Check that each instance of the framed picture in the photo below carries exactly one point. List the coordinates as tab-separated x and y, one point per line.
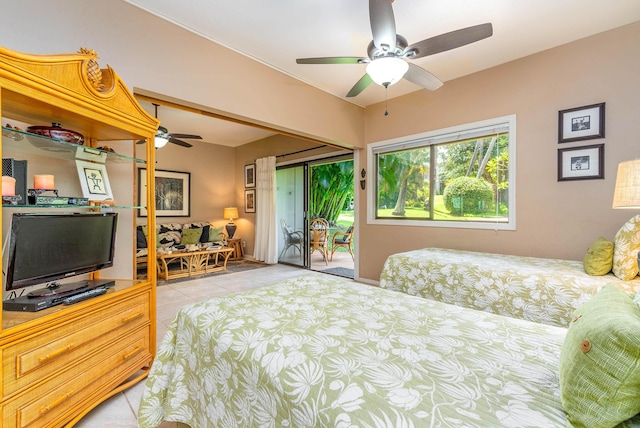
94	180
250	175
581	163
581	123
173	193
250	201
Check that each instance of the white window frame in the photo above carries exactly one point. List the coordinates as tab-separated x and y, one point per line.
434	137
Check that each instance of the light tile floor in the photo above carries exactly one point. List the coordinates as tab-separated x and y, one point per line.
121	409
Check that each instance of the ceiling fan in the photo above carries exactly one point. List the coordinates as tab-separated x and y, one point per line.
388	52
163	136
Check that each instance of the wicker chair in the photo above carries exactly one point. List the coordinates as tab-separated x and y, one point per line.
292	238
319	237
342	239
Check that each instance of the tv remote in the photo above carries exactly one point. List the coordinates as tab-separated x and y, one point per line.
84	296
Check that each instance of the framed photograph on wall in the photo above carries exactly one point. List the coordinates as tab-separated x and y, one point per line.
250	201
250	175
173	193
581	163
581	123
94	180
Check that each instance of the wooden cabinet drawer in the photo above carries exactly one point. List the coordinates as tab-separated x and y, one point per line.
40	357
55	398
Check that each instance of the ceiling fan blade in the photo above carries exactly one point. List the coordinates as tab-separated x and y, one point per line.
383	24
179	142
360	86
333	60
422	77
448	41
190	136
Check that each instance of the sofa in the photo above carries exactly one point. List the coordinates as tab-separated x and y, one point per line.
176	235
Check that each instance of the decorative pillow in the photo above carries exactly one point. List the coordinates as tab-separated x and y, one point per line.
625	250
599	257
600	361
141	239
191	236
215	234
145	232
205	234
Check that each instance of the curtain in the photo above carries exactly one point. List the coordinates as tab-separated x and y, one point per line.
266	245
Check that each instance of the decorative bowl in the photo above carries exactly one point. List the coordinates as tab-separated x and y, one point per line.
56	132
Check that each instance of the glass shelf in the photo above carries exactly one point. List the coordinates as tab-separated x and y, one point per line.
26	142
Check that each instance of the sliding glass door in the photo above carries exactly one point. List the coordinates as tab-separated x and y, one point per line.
291	206
316	190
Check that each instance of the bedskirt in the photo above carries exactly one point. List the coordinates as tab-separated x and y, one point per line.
536	289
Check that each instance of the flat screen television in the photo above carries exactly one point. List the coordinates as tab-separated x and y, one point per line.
45	248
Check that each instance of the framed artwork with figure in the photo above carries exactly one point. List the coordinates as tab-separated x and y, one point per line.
94	180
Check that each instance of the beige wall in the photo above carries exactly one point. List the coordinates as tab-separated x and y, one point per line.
213	178
272	146
554	219
160	57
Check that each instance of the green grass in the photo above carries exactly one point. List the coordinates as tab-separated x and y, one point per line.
439	212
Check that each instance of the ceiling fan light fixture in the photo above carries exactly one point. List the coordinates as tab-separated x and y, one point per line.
160	141
161	138
386	71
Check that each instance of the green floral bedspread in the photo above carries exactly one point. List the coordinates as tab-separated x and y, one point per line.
536	289
318	351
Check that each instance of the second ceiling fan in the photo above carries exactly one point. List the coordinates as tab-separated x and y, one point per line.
388	52
163	136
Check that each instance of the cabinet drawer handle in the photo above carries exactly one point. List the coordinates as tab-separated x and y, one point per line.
61	399
132	353
55	354
132	317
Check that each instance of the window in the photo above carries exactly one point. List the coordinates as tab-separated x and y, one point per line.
456	177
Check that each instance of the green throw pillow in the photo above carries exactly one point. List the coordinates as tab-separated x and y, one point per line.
215	234
600	361
145	230
191	236
625	250
599	257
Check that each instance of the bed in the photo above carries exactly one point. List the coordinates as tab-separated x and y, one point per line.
319	351
535	289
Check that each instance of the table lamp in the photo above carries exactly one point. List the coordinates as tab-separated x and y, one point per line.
627	190
230	213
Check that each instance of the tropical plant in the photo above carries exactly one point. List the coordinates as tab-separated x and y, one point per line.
331	189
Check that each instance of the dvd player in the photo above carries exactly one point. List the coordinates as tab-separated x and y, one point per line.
35	304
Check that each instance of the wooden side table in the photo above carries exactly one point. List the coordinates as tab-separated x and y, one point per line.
238	251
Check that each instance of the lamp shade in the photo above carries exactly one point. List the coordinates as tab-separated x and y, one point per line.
627	191
386	71
159	142
230	213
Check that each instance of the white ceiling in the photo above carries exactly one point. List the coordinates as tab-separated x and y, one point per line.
277	32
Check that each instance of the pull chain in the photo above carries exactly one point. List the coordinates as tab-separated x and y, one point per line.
386	92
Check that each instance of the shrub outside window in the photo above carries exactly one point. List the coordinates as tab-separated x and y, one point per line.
462	176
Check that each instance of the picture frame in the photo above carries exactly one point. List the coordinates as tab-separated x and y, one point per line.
250	201
250	175
581	163
172	193
581	123
94	180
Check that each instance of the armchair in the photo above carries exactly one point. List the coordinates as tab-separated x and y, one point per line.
319	237
292	238
342	239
